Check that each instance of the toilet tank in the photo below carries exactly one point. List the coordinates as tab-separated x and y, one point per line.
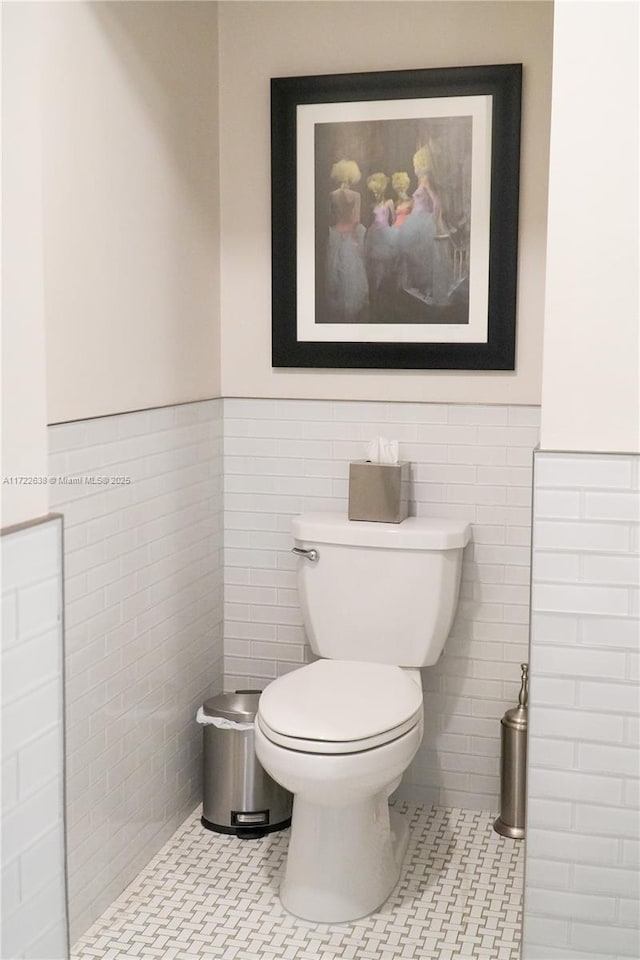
379	592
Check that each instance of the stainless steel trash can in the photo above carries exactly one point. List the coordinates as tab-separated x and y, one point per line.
239	797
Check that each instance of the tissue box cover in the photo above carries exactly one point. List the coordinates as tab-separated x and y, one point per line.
378	491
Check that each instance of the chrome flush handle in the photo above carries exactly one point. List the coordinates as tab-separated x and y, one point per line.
311	554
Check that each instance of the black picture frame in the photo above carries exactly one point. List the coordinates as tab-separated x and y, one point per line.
496	89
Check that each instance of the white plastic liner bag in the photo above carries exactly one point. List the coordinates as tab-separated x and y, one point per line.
221	722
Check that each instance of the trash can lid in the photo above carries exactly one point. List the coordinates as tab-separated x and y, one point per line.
241	706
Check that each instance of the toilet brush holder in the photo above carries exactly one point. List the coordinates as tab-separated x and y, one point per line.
513	766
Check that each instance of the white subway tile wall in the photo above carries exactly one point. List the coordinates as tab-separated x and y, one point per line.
34	913
468	461
143	603
582	871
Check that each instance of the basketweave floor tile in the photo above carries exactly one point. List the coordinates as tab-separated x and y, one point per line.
211	896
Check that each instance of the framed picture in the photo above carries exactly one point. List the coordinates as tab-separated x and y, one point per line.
395	218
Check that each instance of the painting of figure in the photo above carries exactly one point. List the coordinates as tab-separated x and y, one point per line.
393	220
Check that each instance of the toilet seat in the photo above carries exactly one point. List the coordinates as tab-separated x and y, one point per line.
337	706
337	746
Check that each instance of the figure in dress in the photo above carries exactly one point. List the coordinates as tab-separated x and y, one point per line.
347	288
400	182
380	242
404	204
420	229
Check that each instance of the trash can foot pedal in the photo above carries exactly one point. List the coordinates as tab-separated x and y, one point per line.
248	832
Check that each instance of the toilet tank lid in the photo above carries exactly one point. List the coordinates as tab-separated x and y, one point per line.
414	533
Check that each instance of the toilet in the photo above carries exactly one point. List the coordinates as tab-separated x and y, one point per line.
378	601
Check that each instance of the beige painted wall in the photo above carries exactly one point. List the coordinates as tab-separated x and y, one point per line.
24	432
131	237
262	40
591	384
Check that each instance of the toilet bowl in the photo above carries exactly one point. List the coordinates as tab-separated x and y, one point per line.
341	763
378	601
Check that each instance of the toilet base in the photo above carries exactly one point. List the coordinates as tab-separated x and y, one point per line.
343	861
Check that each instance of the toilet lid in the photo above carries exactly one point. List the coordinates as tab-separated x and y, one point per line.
338	701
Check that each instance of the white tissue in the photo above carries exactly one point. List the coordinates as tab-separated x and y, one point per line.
381	450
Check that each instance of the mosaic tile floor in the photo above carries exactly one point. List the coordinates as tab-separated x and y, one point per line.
207	895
